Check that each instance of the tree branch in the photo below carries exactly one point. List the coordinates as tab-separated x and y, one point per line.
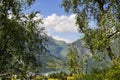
109	36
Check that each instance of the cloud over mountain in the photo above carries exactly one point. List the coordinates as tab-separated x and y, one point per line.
62	39
60	27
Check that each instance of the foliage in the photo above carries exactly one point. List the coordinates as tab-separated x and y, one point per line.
76	62
105	15
40	77
21	39
60	76
104	74
108	74
73	61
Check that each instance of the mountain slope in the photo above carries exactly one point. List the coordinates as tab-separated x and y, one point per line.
57	48
54	58
99	60
57	52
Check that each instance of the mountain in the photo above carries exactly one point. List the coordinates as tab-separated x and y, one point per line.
57	52
50	63
55	57
80	46
99	60
57	48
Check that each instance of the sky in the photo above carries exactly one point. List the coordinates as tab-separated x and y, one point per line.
58	24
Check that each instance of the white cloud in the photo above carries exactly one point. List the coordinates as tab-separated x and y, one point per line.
60	23
62	39
60	27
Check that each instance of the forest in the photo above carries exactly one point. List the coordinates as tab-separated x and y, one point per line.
28	53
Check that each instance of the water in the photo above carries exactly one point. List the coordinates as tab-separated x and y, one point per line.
48	71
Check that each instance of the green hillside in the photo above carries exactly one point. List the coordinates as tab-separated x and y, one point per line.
57	48
55	57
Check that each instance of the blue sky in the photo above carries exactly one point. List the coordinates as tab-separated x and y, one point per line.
59	24
48	7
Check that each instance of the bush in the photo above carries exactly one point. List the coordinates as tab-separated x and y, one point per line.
113	74
59	76
40	77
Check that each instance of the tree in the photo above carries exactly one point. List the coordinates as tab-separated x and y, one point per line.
21	39
105	14
73	61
